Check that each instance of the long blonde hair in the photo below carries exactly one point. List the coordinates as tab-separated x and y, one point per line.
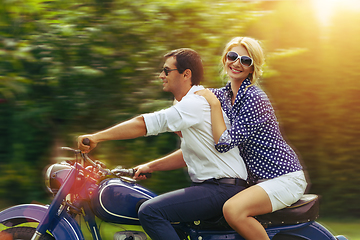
254	50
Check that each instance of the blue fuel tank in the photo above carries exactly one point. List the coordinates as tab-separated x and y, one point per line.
117	201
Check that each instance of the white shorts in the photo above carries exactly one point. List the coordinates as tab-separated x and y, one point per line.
284	190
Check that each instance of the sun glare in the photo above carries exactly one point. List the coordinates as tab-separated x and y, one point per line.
326	8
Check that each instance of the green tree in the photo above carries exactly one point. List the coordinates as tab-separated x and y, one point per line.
72	67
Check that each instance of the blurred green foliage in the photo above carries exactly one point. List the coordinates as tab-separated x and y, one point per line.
78	66
73	67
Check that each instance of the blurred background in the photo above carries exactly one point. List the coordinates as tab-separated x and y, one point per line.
78	66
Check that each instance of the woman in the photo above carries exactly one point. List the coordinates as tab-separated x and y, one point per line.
273	165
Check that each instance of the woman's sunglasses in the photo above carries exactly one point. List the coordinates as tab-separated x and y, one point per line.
244	60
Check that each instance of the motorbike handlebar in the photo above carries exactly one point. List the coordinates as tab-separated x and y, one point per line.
86	141
116	171
128	172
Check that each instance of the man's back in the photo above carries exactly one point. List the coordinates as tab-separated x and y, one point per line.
192	117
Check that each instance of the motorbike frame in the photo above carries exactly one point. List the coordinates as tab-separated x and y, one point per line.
59	221
54	217
65	227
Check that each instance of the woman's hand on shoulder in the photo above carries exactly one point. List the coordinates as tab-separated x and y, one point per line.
209	96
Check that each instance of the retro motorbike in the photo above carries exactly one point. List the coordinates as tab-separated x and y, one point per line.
86	188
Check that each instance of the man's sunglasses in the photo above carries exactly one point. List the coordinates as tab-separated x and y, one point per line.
244	60
167	70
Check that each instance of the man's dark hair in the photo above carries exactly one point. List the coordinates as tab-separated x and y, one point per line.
187	58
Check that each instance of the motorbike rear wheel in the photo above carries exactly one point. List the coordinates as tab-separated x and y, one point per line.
22	233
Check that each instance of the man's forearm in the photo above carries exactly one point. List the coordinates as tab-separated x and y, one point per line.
129	129
172	161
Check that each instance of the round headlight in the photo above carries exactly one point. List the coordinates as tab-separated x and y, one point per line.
55	176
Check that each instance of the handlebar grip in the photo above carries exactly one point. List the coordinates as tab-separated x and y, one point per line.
86	141
128	172
147	175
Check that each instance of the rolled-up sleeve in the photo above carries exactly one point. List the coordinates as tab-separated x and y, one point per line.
152	123
161	121
176	118
224	142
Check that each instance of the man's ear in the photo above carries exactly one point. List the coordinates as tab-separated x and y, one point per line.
187	73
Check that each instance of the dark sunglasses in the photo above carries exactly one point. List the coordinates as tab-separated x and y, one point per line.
244	60
167	70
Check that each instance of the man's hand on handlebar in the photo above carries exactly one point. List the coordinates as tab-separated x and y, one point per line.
141	169
88	142
83	146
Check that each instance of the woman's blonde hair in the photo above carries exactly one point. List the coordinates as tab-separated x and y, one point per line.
254	50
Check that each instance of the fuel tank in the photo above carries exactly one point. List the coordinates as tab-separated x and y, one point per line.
117	201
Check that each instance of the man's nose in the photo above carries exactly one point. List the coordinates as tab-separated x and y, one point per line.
162	75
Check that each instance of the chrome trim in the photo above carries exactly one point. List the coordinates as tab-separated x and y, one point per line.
72	228
36	236
47	178
96	233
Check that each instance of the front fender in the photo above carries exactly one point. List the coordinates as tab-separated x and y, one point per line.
63	227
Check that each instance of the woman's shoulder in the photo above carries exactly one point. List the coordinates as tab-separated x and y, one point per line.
255	91
225	88
220	92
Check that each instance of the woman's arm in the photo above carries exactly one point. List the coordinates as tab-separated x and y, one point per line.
217	118
254	111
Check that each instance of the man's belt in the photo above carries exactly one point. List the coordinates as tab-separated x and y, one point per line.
233	181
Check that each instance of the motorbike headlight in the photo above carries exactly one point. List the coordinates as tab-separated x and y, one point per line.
55	176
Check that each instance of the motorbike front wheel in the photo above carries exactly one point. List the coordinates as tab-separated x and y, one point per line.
22	233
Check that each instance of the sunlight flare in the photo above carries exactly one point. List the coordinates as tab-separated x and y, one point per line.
326	8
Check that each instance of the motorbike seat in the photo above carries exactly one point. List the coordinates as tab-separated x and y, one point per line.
304	210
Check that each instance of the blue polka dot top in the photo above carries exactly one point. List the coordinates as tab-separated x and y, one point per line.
256	132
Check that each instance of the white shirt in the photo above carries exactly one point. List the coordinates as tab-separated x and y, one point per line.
192	117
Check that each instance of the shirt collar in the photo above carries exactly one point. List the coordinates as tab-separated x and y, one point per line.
191	91
194	89
241	90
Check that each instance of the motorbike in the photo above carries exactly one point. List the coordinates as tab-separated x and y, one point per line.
86	189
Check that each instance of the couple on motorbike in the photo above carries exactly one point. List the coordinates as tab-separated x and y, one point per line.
229	138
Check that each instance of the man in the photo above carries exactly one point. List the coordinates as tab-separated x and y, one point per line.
216	176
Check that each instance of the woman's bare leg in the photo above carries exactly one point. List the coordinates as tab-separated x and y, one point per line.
240	209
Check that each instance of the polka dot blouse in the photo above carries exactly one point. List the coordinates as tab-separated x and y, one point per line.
256	132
